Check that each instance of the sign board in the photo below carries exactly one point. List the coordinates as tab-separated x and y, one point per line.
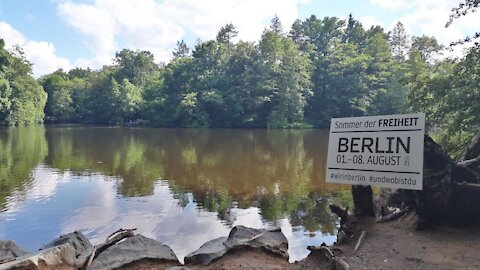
384	150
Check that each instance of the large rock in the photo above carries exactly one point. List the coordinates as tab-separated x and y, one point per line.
208	252
62	256
240	237
133	249
83	247
270	240
9	250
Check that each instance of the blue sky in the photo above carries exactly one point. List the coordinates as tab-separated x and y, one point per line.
69	33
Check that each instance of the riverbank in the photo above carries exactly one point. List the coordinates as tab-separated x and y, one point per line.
390	245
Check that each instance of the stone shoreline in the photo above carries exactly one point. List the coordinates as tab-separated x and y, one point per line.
126	250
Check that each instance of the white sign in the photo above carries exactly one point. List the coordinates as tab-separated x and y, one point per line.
384	150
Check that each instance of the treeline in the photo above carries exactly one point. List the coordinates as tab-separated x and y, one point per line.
321	68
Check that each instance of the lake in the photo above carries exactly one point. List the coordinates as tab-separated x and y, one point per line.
182	187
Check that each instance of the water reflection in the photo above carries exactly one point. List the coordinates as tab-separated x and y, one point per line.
21	149
100	179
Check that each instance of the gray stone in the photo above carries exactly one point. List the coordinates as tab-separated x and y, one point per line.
208	252
79	242
240	237
270	240
133	249
9	250
62	255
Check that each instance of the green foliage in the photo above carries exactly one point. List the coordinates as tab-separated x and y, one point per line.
28	100
182	49
5	102
427	46
284	81
226	33
59	105
22	99
399	42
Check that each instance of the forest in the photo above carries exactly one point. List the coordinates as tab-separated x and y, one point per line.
321	68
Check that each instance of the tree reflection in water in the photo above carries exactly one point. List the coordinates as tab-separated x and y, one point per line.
281	172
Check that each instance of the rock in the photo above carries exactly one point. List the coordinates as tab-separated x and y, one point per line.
59	256
9	250
208	252
83	247
273	241
240	237
133	249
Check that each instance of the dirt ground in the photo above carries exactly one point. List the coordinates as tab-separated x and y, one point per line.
397	245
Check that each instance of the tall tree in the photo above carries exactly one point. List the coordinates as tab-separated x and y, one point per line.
182	49
21	96
284	81
5	102
385	94
59	103
399	42
136	66
341	88
227	33
354	33
427	47
276	25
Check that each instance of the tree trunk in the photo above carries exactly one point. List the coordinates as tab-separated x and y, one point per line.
363	201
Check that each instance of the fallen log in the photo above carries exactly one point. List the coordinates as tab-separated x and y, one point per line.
394	215
111	240
471	163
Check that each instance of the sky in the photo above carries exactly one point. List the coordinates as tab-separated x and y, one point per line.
86	33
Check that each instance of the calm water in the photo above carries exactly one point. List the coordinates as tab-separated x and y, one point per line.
182	187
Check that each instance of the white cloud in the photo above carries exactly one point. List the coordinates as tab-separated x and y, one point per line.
428	17
111	25
40	53
10	35
369	21
394	4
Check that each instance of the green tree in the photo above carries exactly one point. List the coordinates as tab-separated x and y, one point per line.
182	49
284	81
59	106
22	99
227	33
427	47
354	33
385	94
5	102
399	42
276	25
136	66
341	88
28	100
